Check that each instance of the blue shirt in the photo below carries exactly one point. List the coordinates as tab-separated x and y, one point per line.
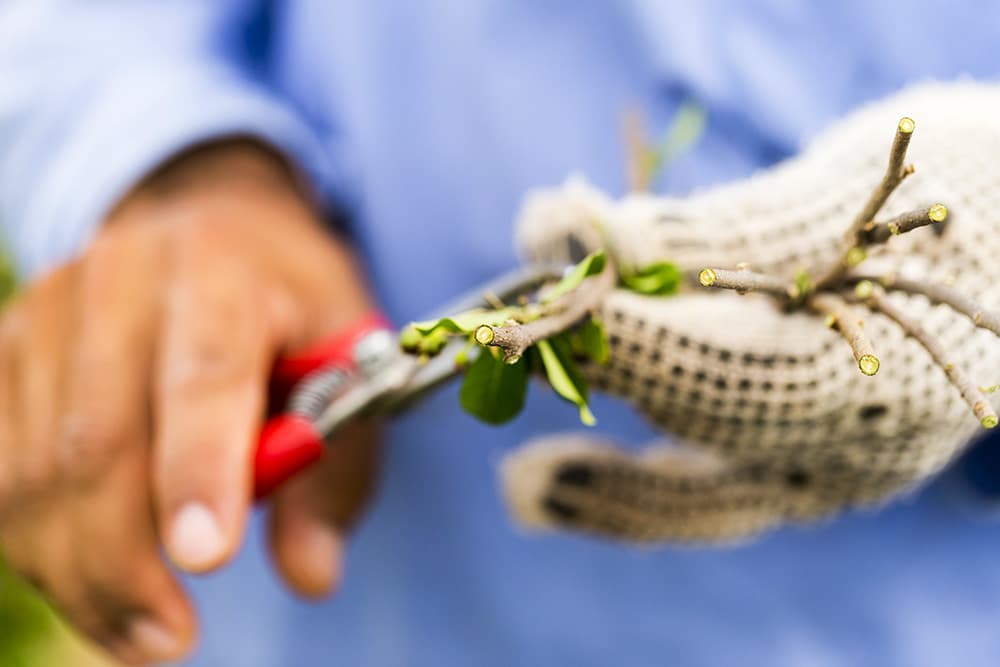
427	122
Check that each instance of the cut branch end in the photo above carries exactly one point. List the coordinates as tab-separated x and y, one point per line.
970	392
869	364
840	317
485	334
938	213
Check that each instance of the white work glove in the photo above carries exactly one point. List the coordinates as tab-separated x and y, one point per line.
769	419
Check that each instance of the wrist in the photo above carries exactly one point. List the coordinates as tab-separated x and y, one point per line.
224	168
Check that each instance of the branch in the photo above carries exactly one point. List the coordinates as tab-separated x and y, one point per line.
938	293
745	280
894	175
880	232
840	317
821	295
558	316
981	407
639	173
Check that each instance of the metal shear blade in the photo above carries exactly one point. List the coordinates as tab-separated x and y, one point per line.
393	380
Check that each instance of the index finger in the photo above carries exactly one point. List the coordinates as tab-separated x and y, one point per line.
208	403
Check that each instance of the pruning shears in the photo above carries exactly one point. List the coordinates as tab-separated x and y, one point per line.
358	371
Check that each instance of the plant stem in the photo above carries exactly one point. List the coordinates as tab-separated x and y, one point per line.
938	293
880	232
558	316
850	327
745	280
895	173
970	392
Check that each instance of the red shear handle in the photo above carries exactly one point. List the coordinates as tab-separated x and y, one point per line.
290	443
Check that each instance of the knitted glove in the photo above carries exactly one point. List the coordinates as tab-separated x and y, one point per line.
770	418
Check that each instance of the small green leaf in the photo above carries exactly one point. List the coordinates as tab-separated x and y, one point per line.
590	265
410	338
8	279
564	376
802	284
462	356
492	390
433	342
590	341
685	129
660	279
25	618
466	322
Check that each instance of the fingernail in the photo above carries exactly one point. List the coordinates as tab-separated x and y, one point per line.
195	539
153	640
313	562
321	556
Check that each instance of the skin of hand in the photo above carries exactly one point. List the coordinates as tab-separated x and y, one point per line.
132	386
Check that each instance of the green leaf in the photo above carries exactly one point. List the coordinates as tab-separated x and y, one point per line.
803	284
466	322
660	279
492	390
433	342
564	375
410	338
685	129
589	340
590	265
24	616
8	279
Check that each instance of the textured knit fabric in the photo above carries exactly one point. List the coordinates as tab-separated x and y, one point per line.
784	424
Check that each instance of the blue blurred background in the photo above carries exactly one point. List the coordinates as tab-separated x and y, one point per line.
425	123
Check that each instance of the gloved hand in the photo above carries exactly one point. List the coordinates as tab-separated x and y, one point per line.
770	420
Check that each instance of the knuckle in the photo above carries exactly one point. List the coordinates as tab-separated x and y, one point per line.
206	362
36	476
88	443
11	325
123	583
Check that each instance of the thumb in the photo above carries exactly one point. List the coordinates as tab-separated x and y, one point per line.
563	224
313	513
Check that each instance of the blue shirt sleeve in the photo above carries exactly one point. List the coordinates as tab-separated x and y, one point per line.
95	95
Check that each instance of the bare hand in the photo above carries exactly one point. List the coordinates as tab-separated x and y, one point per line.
132	385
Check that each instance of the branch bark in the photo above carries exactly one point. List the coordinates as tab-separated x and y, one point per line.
895	173
880	232
558	316
970	392
745	280
850	326
938	293
637	163
821	295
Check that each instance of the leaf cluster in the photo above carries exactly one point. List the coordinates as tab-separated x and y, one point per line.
494	389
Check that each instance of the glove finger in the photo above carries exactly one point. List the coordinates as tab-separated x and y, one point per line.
673	494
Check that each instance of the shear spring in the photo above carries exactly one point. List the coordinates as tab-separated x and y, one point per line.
316	391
